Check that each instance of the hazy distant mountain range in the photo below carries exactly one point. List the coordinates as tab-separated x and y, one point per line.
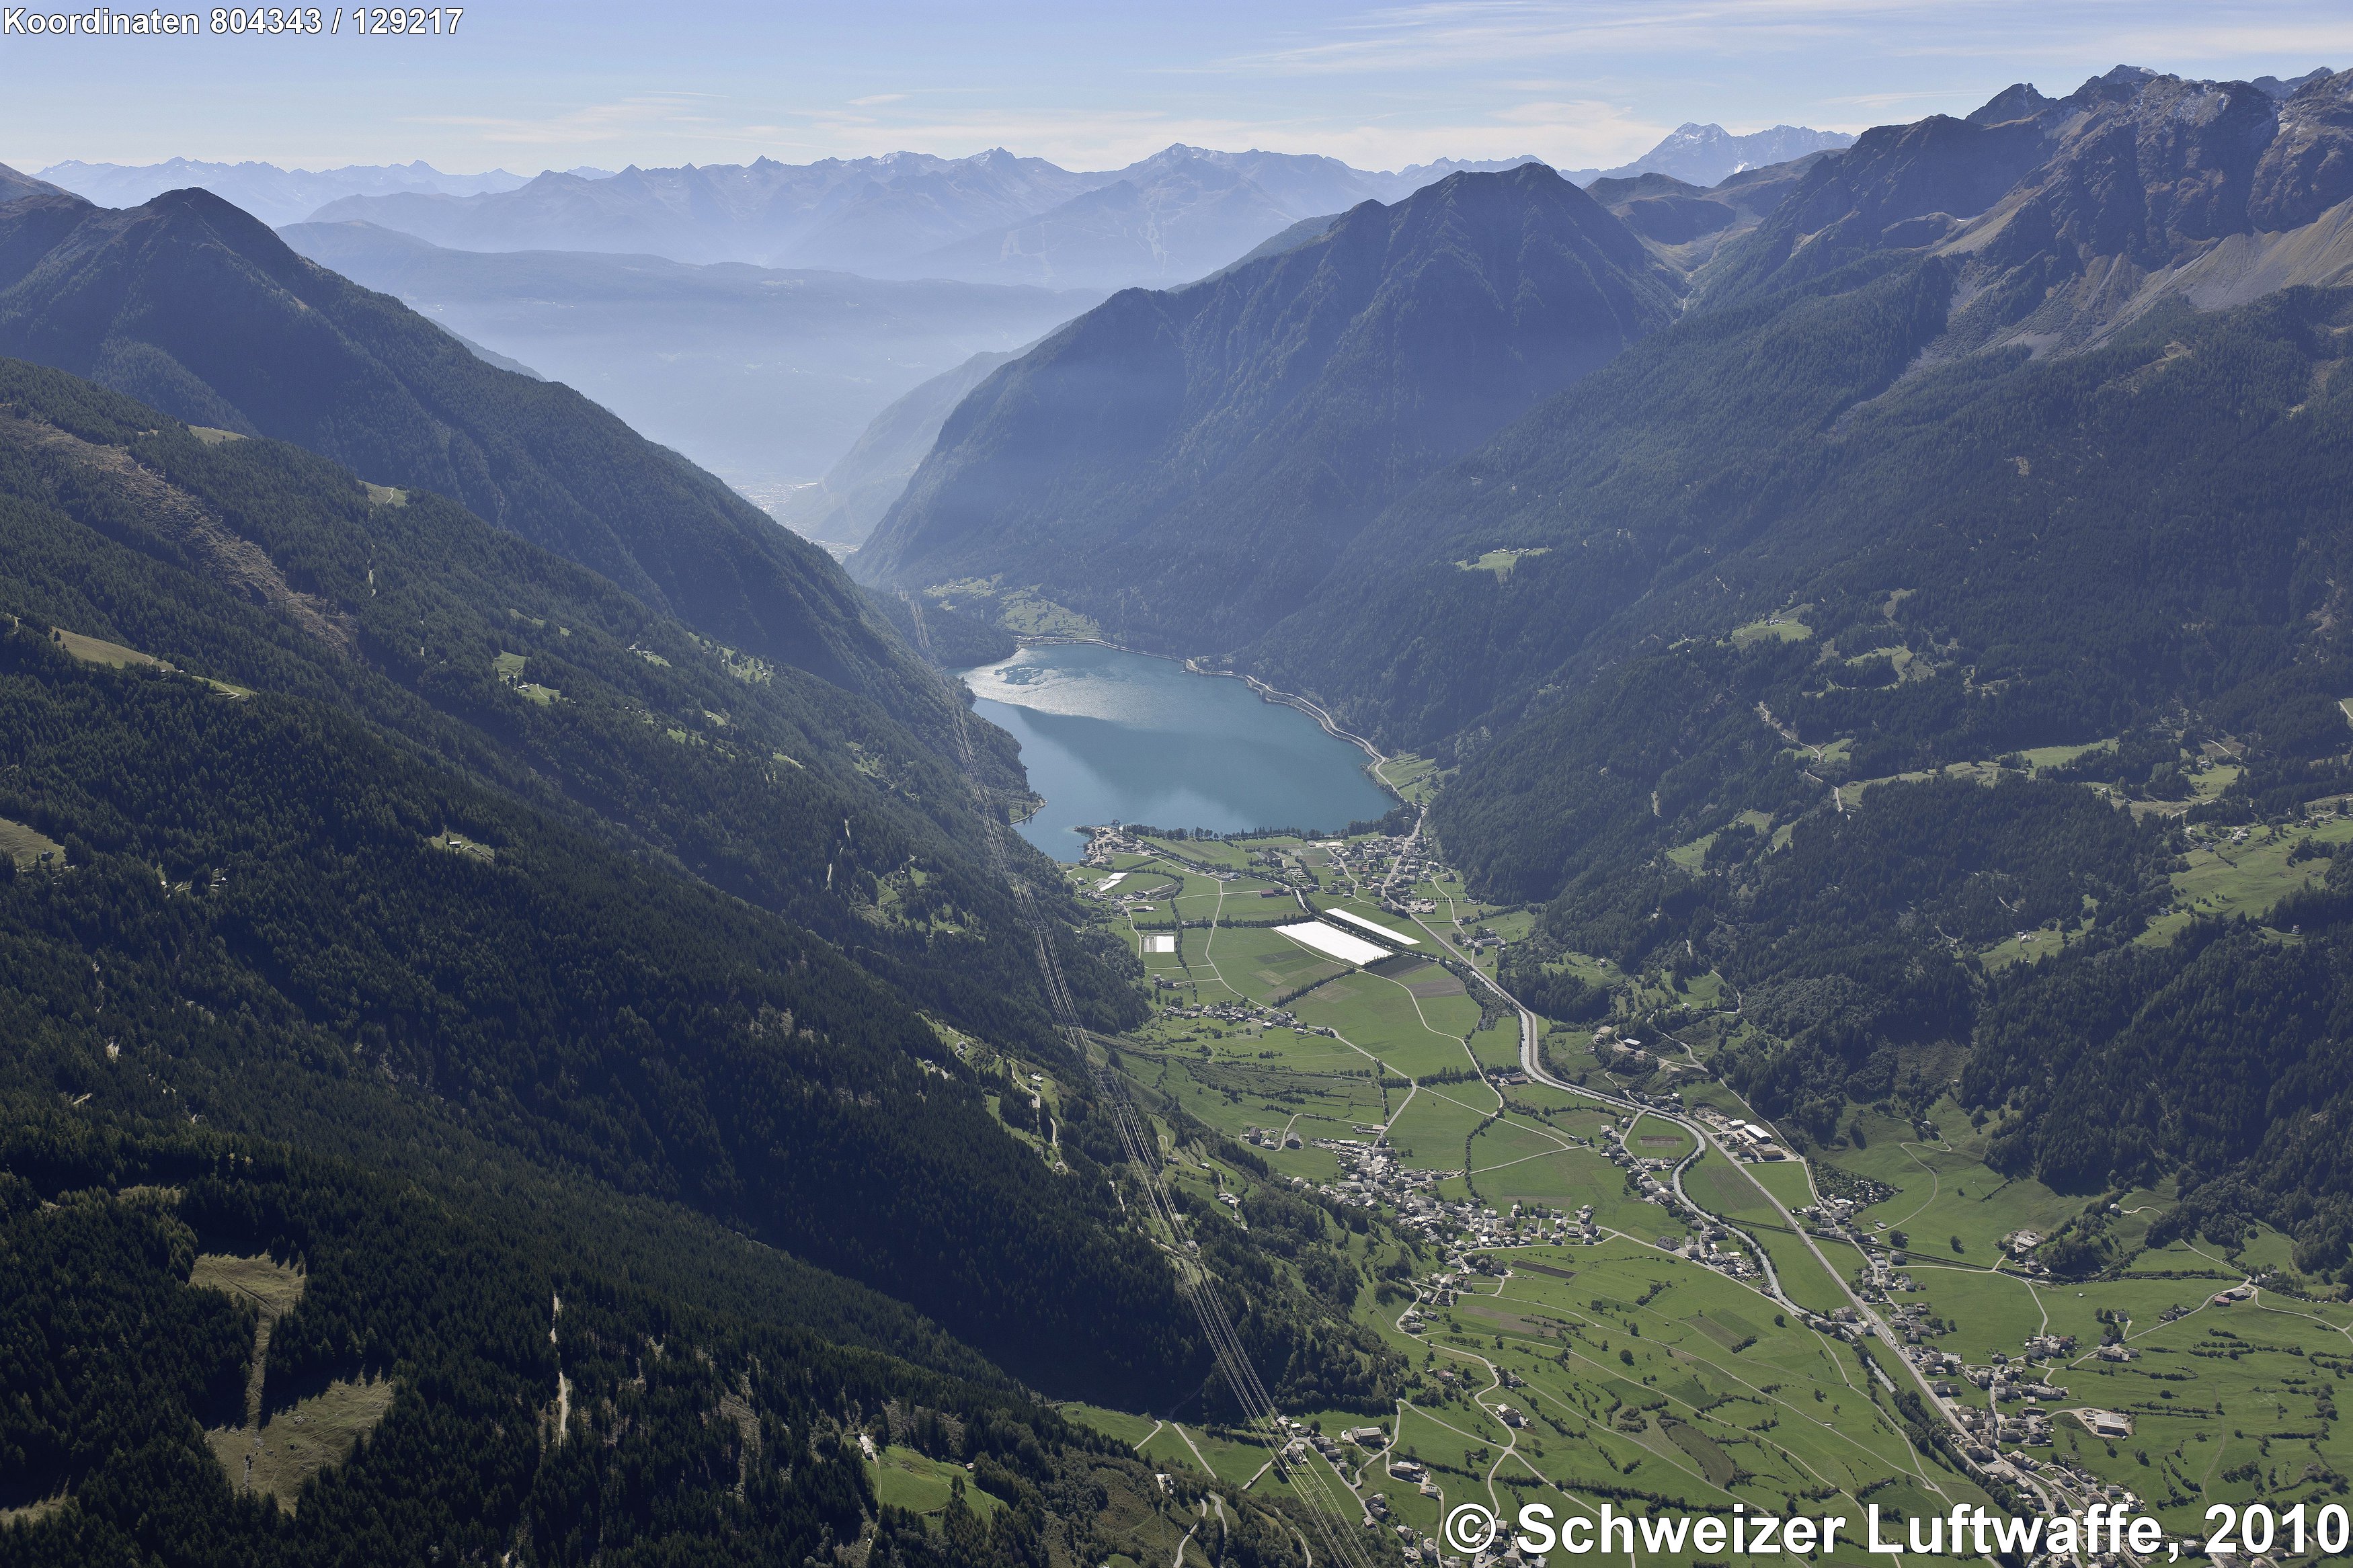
273	195
992	217
1704	154
768	373
764	376
1182	468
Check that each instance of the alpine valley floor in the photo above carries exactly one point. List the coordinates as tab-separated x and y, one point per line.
1608	1288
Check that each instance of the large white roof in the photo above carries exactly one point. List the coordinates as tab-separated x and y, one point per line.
1373	926
1334	943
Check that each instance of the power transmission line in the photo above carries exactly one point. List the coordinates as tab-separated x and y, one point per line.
1335	1523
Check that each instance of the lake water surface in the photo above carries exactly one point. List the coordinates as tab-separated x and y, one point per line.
1109	735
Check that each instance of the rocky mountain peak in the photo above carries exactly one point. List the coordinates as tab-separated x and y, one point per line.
2309	167
2067	215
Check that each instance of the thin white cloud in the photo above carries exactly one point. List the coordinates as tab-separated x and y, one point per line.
1596	34
1463	33
1579	82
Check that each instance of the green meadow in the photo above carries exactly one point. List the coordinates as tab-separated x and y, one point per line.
1639	1375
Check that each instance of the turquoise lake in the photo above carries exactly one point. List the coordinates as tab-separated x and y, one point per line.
1111	736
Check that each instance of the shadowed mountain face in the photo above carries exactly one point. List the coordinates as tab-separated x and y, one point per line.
191	305
2054	225
1183	467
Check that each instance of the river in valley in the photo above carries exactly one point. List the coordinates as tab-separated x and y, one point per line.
1108	736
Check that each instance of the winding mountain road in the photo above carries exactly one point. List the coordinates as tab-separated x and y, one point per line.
1531	1063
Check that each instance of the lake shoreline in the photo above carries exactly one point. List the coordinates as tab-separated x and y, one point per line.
1113	733
1273	694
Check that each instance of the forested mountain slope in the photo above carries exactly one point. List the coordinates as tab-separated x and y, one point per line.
1651	463
433	1384
2034	542
194	307
259	890
258	564
1946	464
451	872
1799	369
2142	544
1183	467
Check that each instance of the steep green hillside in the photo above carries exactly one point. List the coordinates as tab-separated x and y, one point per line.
361	803
1853	522
283	918
190	305
220	1350
258	564
1182	466
1999	554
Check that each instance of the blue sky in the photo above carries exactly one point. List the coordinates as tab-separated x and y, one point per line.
525	85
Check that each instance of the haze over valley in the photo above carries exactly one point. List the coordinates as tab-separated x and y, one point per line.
769	372
1061	850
